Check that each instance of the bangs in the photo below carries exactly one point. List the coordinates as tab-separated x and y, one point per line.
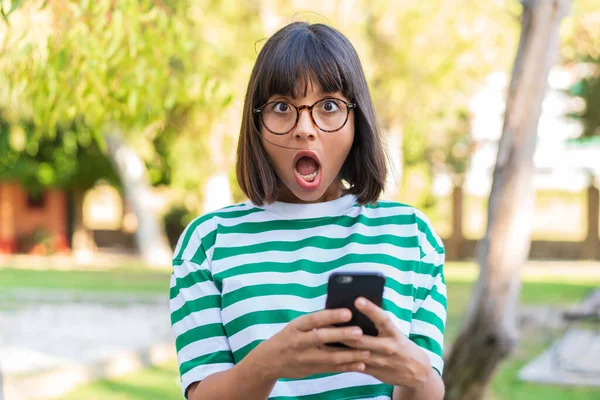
299	60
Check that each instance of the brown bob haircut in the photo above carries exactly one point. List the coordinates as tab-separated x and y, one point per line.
293	57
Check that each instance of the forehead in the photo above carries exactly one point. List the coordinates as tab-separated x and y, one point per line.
310	90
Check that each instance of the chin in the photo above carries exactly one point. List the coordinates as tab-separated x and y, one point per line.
308	197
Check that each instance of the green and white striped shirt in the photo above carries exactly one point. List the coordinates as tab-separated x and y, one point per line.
240	274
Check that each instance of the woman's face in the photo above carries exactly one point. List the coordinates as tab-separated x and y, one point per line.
309	164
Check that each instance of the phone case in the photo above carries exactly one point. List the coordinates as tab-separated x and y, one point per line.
344	287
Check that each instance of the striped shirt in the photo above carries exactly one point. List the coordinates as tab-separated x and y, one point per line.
240	274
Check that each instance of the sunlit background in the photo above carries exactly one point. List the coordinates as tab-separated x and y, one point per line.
119	123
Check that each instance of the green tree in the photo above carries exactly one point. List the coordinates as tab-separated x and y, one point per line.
51	162
582	47
119	75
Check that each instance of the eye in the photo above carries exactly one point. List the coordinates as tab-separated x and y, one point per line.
330	106
281	107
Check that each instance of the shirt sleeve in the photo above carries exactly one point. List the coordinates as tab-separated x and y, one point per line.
195	302
430	308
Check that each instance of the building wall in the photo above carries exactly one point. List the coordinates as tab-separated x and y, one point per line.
19	220
8	240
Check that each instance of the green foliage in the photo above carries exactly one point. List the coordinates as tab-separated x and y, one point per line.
451	153
143	67
428	60
171	75
107	54
588	89
580	32
64	160
175	221
5	11
581	36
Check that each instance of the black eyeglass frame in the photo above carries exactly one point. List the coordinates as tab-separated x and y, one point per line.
349	106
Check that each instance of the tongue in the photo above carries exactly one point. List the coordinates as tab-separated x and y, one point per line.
306	166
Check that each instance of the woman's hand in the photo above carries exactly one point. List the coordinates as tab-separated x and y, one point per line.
299	349
394	359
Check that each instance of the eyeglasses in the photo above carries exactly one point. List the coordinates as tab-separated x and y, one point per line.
329	115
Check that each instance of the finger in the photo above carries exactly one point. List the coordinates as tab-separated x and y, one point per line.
376	314
334	357
375	344
321	336
322	318
356	367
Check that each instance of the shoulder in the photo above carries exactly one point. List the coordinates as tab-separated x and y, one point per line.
202	230
405	214
387	207
235	211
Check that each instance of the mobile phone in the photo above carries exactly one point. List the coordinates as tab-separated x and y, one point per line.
343	288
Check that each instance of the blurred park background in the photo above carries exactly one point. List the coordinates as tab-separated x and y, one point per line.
118	126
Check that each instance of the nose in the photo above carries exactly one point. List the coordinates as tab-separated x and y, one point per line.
305	128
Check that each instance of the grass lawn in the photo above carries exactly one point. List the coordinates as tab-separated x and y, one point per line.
536	290
123	279
506	386
162	382
155	383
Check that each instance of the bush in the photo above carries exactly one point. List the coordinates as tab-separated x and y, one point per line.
175	221
41	242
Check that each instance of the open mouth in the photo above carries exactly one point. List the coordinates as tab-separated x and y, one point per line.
307	170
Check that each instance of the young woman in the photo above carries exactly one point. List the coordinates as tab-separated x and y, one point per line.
249	281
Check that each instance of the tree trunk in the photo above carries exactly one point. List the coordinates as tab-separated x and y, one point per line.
591	245
82	241
490	333
455	242
150	236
